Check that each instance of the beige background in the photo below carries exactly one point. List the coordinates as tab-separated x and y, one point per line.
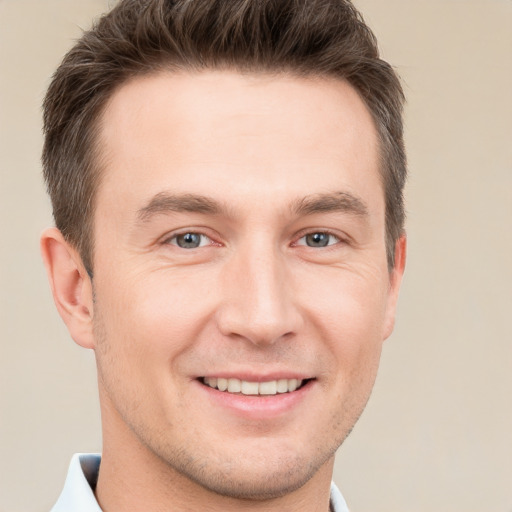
437	434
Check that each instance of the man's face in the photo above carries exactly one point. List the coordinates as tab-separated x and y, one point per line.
239	241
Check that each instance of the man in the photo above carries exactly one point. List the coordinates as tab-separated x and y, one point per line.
226	179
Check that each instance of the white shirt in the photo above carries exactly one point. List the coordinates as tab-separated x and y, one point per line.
78	495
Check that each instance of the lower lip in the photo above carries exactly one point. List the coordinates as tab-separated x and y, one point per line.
258	407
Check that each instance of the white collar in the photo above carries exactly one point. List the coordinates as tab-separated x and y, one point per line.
78	495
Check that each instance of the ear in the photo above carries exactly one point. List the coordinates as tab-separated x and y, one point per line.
70	284
395	280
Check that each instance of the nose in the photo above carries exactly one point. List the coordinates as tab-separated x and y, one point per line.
257	300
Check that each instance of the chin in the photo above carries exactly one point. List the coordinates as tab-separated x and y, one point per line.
252	483
254	475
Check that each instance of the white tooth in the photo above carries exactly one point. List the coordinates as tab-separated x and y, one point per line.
292	384
222	384
268	388
234	385
249	388
282	385
211	381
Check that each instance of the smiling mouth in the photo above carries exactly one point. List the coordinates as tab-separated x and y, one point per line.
244	387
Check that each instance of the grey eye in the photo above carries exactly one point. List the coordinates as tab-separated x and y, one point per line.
317	239
189	240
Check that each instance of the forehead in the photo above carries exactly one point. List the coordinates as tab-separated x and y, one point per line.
221	131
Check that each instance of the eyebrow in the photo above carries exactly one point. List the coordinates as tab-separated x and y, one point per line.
343	202
165	202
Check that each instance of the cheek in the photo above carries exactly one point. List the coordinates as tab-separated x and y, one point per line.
349	314
349	307
152	316
142	327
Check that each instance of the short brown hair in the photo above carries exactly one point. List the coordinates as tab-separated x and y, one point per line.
138	37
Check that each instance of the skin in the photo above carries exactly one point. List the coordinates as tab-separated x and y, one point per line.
255	164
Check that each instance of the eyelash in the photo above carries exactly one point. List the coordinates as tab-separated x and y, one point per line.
172	240
331	235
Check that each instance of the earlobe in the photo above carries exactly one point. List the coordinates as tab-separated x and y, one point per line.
70	284
395	280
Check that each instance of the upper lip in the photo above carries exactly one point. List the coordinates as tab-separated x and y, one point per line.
253	377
